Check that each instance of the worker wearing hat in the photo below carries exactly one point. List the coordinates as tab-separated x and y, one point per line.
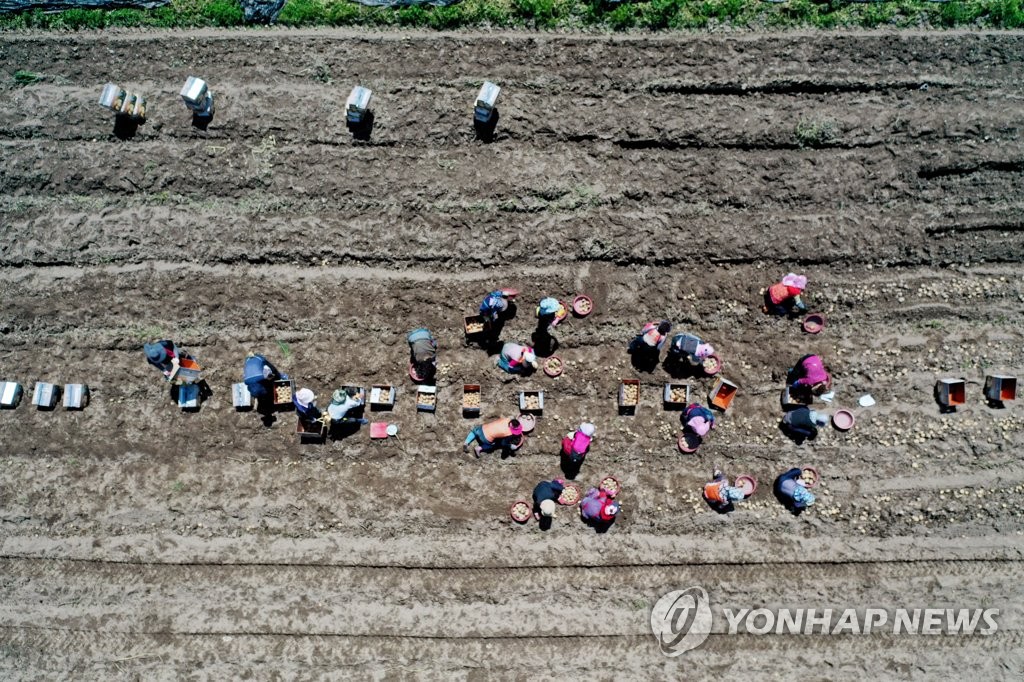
719	494
492	435
165	356
259	376
495	304
792	492
545	498
646	346
344	400
689	349
598	508
783	298
516	358
810	375
575	446
698	419
305	405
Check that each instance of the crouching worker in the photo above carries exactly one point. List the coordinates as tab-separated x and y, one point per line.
259	377
495	304
305	407
698	419
803	423
809	376
689	351
165	356
422	355
545	498
791	492
646	346
495	434
598	509
719	494
345	404
516	358
575	446
783	298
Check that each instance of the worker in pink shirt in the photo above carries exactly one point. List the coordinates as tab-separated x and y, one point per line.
809	374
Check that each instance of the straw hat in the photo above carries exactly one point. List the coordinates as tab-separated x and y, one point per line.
704	350
587	429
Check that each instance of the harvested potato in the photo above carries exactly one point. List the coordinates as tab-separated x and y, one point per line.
570	495
609	485
474	327
520	511
631	394
678	395
471	399
531	402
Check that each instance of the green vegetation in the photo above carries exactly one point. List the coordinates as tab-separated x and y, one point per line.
550	14
815	133
24	78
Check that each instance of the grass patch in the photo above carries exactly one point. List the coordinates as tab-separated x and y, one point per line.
551	14
815	133
24	78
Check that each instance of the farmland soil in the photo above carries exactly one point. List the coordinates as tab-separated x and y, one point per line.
664	176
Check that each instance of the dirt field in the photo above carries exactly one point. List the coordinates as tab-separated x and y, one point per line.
663	176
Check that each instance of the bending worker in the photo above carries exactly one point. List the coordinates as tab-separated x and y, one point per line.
783	298
493	435
516	358
791	490
259	376
545	498
422	354
809	374
690	350
165	356
719	494
651	338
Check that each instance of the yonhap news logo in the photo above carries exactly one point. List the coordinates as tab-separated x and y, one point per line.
681	621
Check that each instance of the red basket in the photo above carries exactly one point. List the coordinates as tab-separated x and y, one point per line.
814	323
570	486
554	372
613	488
514	509
747	483
817	476
582	305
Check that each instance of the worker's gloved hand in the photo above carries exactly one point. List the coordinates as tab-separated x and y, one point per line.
283	376
801	307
